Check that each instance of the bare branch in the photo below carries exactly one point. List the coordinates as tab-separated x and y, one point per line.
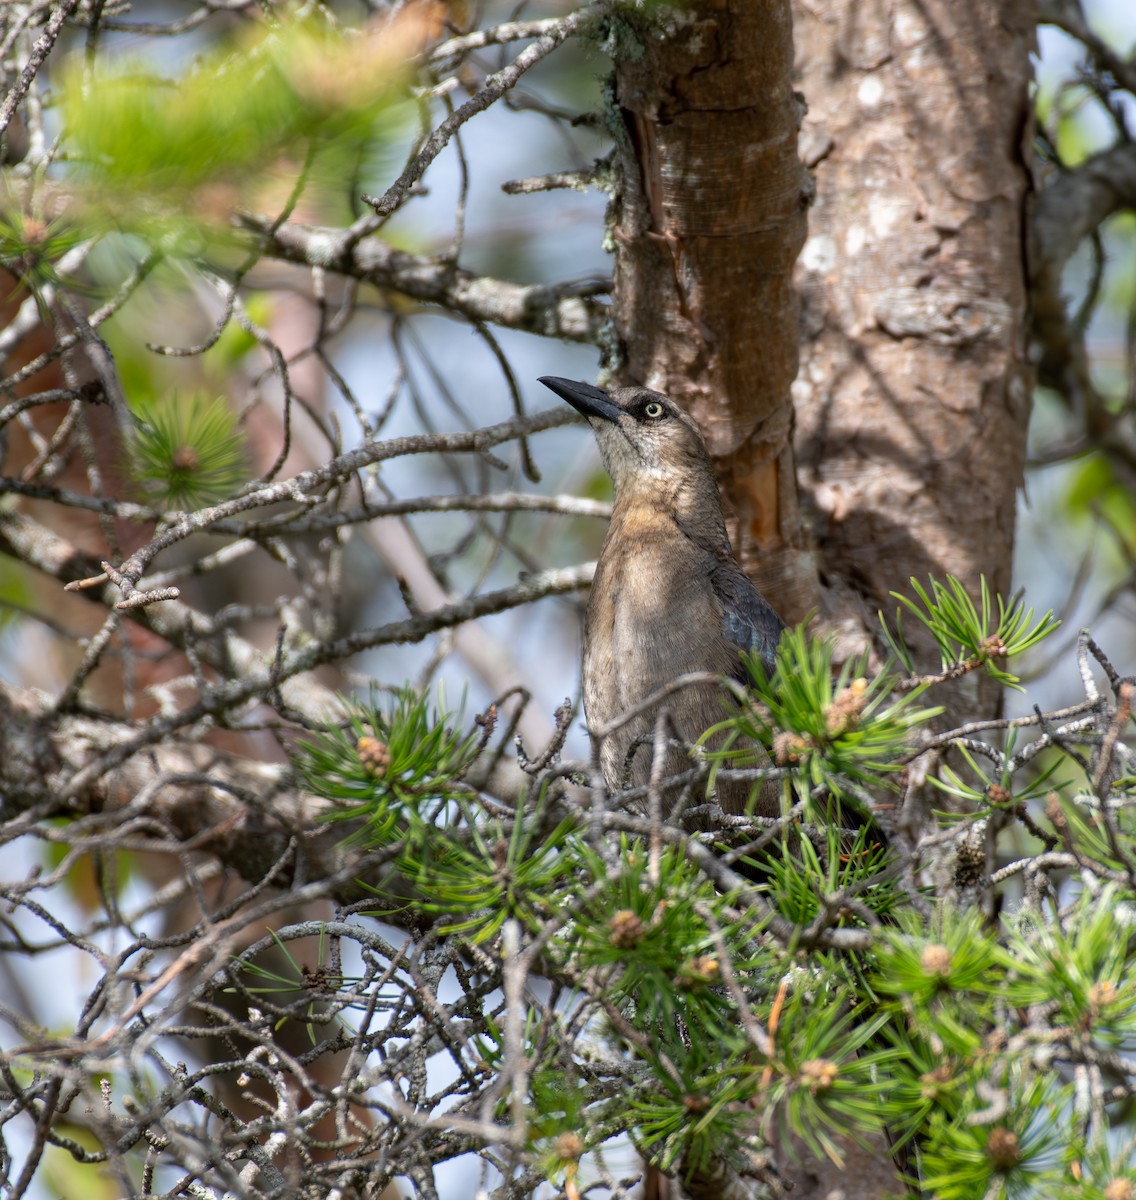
548	309
498	35
493	89
39	54
1067	211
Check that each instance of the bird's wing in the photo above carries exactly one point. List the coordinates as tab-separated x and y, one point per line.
747	618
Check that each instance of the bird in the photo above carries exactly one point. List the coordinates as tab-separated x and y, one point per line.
668	596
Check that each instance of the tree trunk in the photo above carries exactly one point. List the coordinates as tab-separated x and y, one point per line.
912	408
913	402
708	221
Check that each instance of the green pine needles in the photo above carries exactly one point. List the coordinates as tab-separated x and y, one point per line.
393	765
833	729
967	634
300	105
187	452
717	989
31	246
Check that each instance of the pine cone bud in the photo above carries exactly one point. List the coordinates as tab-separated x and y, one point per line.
935	960
844	712
1003	1148
625	929
789	748
569	1146
819	1073
696	972
374	755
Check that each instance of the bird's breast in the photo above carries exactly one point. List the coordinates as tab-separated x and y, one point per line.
652	616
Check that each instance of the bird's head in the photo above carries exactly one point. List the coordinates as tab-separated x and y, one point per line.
645	439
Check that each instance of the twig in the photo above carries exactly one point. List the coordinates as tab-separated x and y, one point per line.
36	59
493	89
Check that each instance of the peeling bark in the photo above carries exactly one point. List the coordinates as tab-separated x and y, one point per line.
708	220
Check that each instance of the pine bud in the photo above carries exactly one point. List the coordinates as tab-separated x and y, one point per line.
935	1082
819	1074
569	1146
374	755
1101	993
625	929
789	748
1003	1148
992	647
696	972
844	712
935	960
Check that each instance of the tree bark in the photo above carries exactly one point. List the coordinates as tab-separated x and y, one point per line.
913	402
708	220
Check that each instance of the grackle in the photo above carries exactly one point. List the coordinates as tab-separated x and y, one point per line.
668	597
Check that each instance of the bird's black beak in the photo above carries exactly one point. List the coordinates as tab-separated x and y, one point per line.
591	401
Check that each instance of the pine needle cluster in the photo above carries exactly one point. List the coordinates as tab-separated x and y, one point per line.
723	988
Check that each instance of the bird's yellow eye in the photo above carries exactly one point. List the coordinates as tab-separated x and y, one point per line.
653	409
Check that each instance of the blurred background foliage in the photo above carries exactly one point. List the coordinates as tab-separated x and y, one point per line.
263	118
1077	541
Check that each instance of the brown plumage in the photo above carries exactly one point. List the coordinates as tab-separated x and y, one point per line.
668	596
